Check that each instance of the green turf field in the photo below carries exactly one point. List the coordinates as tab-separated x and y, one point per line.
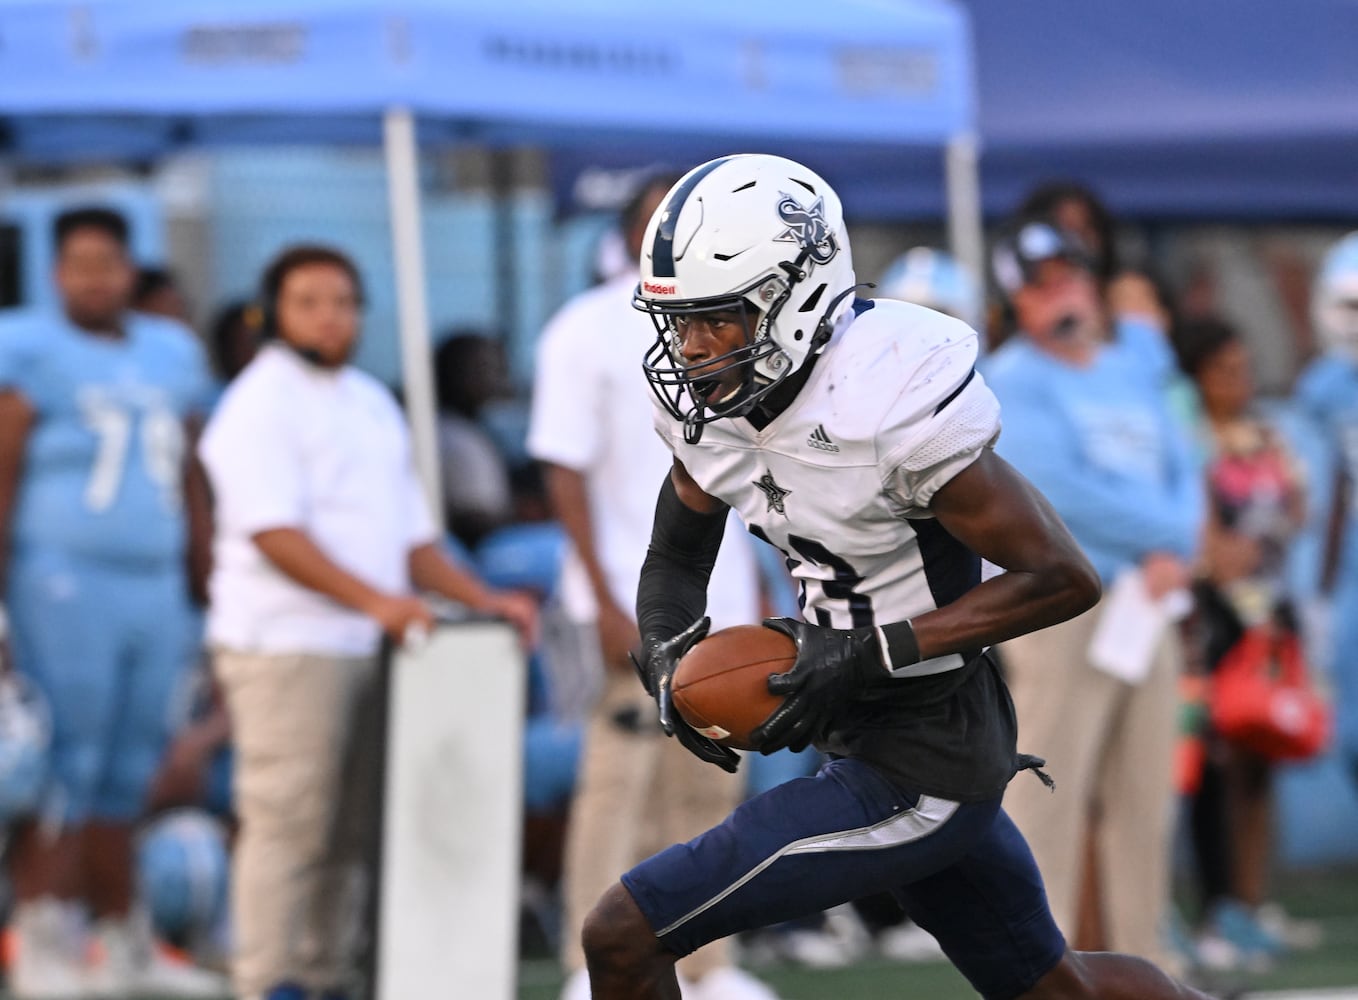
1330	897
1328	973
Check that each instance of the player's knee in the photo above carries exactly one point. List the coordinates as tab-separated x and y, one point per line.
616	934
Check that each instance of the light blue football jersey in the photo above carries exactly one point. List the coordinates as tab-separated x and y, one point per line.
103	470
1328	392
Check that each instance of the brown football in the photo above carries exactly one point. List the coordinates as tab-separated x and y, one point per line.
720	687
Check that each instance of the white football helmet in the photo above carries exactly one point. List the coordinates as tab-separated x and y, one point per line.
1334	300
931	278
758	234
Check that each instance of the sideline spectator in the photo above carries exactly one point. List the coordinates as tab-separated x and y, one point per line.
1256	507
1328	393
471	370
591	424
1077	209
322	534
1127	293
102	513
233	339
1087	421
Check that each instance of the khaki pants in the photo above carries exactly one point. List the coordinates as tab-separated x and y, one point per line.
638	792
1109	745
305	787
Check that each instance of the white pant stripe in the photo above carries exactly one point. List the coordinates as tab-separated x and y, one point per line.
905	827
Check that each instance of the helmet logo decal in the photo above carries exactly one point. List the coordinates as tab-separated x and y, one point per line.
807	228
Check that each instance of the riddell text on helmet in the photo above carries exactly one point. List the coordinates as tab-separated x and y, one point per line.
655	288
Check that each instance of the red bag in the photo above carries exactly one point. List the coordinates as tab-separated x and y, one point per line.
1262	700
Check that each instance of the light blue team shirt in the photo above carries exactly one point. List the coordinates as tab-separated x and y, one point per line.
1327	393
1104	446
103	470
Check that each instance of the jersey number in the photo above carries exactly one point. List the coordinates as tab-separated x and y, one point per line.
841	588
162	441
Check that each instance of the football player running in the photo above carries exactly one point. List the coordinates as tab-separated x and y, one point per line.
856	436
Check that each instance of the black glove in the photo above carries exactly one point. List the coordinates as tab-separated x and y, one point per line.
832	665
656	670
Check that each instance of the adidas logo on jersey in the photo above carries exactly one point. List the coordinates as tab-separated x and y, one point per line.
821	441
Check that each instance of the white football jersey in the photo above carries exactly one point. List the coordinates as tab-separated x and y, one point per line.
841	481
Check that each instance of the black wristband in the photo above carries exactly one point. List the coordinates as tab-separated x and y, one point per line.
901	646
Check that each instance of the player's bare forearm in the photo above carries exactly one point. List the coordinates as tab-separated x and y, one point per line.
431	570
569	496
1001	517
293	552
16	421
568	491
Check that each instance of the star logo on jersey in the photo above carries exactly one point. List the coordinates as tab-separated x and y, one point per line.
807	228
773	493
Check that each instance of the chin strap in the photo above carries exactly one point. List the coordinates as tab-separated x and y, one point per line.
693	425
826	327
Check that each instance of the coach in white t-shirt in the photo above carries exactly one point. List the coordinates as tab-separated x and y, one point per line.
322	534
592	428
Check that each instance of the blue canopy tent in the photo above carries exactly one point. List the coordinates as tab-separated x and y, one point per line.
1212	109
123	79
1209	109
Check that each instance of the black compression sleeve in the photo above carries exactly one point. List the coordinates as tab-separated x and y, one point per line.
672	594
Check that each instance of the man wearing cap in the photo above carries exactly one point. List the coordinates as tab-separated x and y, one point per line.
1087	420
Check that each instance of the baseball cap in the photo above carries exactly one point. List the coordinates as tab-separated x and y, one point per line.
1029	243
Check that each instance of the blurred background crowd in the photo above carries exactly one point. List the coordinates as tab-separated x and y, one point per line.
1177	359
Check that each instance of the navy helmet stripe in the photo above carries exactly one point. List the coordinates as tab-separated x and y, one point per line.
662	249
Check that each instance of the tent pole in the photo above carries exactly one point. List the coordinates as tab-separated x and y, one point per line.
966	233
412	306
